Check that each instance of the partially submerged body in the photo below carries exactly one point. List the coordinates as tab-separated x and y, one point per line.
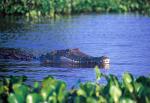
73	58
15	54
58	58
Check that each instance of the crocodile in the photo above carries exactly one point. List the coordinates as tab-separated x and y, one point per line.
15	54
57	58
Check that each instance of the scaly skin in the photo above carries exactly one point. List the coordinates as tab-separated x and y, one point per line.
15	54
73	57
65	58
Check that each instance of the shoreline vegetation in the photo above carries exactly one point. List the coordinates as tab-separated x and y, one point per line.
50	90
52	8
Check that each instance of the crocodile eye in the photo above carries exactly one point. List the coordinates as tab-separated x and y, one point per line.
106	61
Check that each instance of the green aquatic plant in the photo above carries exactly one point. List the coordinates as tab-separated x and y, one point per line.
50	90
51	8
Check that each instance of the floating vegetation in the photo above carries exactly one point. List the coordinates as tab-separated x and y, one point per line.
52	8
50	90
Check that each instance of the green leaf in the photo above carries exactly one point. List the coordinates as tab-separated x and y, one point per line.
52	98
36	85
81	92
137	87
1	88
33	98
7	81
144	80
91	100
128	81
45	93
101	99
115	93
61	91
113	80
127	100
12	98
20	91
127	77
33	13
147	99
98	73
89	88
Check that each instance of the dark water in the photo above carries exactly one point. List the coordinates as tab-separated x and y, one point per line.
124	38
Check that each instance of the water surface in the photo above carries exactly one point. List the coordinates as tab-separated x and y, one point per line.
124	38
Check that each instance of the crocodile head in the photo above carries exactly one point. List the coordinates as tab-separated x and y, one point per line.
105	62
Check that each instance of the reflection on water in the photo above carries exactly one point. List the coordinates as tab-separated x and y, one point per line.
123	38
